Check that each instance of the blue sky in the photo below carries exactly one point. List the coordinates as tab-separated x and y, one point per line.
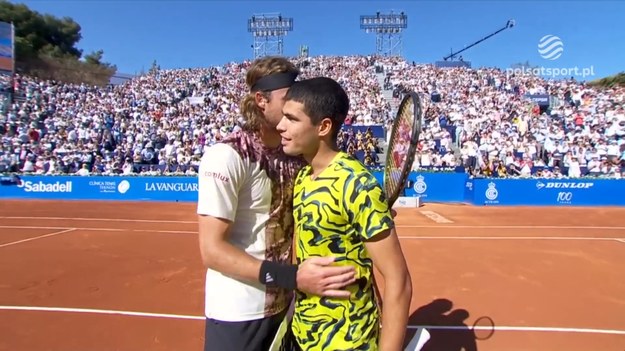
182	34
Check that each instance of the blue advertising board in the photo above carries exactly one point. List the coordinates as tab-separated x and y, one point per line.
437	187
549	192
469	192
103	188
539	99
431	187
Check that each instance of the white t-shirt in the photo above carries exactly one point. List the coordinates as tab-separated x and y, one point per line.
244	182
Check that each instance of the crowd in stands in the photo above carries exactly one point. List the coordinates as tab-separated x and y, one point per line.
496	131
161	122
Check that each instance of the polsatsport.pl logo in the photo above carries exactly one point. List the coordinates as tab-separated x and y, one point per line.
554	72
551	47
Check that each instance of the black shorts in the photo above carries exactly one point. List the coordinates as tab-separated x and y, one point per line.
254	335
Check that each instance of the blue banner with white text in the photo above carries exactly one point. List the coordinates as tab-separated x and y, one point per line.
437	187
549	192
431	187
539	99
103	188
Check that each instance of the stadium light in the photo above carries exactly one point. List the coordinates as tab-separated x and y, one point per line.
269	31
388	28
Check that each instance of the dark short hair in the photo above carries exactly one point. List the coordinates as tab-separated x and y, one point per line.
322	97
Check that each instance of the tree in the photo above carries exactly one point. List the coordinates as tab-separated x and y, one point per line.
44	42
94	58
609	82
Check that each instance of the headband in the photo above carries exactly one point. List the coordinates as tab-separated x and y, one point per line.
275	81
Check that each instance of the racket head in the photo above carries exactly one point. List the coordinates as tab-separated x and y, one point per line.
403	141
283	339
483	328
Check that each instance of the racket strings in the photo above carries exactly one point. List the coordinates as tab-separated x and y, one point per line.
399	146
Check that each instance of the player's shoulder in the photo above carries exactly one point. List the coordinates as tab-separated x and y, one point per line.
350	162
225	156
353	169
240	144
220	152
304	170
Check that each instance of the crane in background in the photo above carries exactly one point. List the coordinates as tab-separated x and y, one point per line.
509	24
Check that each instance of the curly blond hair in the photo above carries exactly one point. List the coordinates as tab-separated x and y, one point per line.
260	68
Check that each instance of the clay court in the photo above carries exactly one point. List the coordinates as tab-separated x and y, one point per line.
128	276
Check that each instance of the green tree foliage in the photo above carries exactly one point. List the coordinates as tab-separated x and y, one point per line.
609	82
45	46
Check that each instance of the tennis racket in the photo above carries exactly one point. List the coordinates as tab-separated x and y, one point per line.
403	141
421	337
283	339
405	133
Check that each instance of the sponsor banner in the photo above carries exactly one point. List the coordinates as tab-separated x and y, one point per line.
539	99
432	186
437	187
7	54
429	187
468	191
549	192
102	188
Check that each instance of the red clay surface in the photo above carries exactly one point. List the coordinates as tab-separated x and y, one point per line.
559	269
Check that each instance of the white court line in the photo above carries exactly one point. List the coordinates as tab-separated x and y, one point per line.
102	229
509	227
620	240
180	316
37	237
100	219
165	231
398	226
96	311
60	228
526	329
573	238
508	238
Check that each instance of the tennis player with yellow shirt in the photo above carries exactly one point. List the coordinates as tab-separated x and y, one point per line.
340	210
245	222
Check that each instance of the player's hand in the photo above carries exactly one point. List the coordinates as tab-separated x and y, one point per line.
317	276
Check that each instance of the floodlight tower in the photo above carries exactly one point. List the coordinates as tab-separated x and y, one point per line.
269	31
388	28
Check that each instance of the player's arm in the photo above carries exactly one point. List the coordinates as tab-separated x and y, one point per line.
370	211
219	255
314	276
388	259
220	178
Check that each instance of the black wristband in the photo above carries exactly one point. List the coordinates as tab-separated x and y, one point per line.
276	274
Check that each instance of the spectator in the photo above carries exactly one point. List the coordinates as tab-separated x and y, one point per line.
161	122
